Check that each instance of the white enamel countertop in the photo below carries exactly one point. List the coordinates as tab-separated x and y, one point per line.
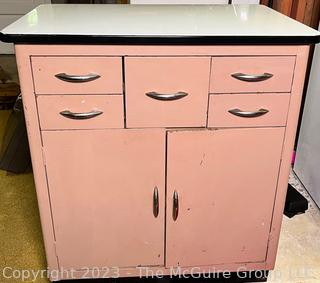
157	21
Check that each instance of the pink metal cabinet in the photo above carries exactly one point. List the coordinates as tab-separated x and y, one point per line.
102	185
224	209
96	187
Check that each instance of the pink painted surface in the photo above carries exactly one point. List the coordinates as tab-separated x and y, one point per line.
45	68
276	104
160	50
35	145
225	210
293	115
223	67
50	106
101	185
166	76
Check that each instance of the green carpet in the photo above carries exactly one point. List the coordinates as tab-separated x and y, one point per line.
21	244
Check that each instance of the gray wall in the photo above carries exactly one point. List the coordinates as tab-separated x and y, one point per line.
307	165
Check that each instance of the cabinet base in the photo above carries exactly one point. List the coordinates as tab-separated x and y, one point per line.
233	277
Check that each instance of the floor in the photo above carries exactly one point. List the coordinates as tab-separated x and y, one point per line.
21	246
298	259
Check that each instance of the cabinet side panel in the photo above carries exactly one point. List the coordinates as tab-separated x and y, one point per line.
39	172
293	114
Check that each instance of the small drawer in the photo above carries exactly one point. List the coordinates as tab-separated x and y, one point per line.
80	111
251	74
248	110
77	75
167	91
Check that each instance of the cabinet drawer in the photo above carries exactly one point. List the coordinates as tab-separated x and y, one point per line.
167	92
251	74
77	75
248	110
80	111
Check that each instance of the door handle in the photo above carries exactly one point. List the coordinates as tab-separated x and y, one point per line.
80	116
77	78
248	114
166	96
175	210
252	78
155	202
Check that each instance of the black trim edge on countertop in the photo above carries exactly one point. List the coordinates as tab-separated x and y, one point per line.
157	40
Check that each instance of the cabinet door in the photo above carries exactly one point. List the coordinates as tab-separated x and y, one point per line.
225	182
102	185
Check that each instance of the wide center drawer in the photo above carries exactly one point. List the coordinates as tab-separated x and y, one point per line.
251	74
77	75
166	91
80	111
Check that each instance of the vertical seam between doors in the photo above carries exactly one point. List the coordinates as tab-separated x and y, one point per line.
165	196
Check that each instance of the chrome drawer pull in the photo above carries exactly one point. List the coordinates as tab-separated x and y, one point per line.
166	97
248	114
175	210
155	202
252	78
80	116
77	78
